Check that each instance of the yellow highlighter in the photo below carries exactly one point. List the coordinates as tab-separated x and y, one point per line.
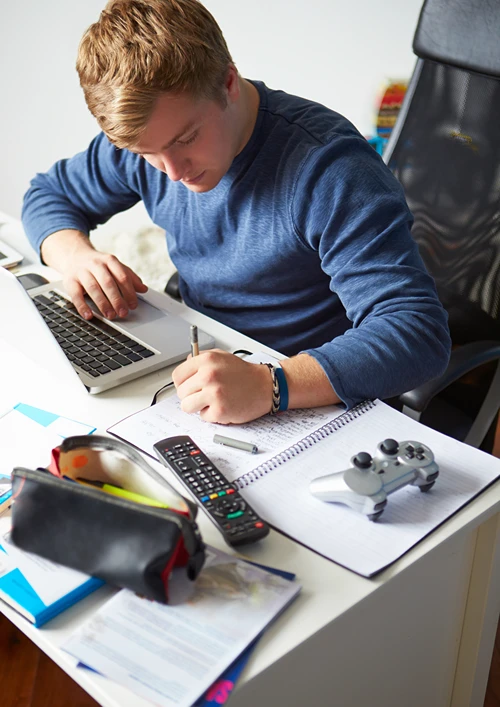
123	493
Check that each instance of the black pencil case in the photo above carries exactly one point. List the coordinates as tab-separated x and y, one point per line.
125	543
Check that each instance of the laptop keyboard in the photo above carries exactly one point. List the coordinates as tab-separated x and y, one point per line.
93	346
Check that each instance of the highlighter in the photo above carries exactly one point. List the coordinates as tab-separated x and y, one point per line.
123	493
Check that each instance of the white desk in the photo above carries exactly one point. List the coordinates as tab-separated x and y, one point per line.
420	633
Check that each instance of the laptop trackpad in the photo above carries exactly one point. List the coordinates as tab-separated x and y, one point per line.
137	319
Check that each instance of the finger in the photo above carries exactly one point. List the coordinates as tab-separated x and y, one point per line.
96	294
138	284
124	278
112	287
77	294
194	403
184	371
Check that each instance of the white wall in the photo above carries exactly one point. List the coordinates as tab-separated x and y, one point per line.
338	52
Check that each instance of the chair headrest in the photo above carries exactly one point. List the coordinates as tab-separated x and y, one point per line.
463	33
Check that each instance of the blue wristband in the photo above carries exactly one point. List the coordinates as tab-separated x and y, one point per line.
283	389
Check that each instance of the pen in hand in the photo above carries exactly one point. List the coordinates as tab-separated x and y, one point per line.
194	340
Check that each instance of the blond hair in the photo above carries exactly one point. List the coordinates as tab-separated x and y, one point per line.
139	49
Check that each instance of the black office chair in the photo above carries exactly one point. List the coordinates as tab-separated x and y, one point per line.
445	150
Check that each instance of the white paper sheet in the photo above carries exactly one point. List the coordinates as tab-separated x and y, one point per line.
172	654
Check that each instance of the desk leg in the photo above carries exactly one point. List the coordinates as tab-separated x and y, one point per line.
480	620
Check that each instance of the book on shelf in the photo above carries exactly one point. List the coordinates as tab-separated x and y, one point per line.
36	588
297	446
192	650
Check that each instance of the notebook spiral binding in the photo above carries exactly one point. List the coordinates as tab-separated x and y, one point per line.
303	444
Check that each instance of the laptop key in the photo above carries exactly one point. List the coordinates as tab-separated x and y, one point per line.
112	364
121	360
123	339
103	369
133	356
42	299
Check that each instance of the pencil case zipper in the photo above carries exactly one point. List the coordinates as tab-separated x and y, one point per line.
45	477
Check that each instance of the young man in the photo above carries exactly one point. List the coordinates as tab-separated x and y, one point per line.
282	221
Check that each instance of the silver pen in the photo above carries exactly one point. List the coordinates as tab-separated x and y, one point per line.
236	443
193	334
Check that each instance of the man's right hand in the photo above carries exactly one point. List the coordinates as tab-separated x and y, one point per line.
110	284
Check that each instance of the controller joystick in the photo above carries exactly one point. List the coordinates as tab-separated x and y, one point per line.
365	485
362	460
389	446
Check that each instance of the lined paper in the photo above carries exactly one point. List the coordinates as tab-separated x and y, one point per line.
282	495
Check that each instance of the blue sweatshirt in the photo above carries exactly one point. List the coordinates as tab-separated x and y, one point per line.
304	244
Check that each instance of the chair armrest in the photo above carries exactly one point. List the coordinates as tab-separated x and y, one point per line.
462	360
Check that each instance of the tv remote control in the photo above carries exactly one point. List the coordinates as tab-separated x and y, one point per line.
238	523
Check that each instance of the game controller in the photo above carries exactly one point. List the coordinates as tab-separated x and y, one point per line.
367	483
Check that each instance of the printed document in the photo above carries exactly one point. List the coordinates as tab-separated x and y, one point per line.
171	654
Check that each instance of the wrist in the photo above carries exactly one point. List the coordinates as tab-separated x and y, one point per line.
60	247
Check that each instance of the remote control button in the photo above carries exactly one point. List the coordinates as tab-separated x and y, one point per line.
236	514
362	460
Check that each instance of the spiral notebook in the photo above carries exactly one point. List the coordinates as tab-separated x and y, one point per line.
300	445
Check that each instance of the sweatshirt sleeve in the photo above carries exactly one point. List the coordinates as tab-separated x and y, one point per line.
350	209
80	192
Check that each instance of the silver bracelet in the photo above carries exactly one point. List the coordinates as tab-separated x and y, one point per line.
276	389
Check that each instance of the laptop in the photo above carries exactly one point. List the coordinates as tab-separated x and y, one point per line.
44	324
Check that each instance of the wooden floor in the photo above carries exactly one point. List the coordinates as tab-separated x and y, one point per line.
29	679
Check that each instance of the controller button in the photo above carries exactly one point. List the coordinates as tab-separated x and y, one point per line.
362	460
419	450
396	463
389	446
420	457
410	448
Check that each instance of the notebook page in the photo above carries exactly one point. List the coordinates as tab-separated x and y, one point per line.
271	433
282	496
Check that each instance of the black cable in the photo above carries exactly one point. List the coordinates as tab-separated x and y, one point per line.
155	396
